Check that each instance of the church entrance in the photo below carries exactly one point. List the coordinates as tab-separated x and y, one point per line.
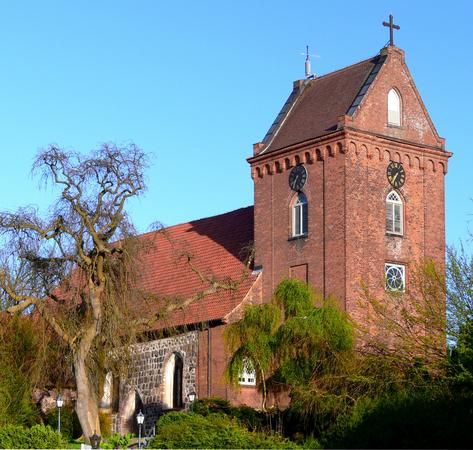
173	374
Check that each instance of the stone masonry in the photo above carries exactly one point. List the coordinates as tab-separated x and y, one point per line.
145	387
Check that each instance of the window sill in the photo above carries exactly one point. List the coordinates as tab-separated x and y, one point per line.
300	236
395	291
390	234
392	125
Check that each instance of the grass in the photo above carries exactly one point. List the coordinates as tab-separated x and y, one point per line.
74	443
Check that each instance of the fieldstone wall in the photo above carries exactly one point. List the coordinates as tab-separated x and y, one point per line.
145	387
46	399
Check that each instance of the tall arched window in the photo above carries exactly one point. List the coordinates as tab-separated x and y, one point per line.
172	379
394	108
300	215
394	213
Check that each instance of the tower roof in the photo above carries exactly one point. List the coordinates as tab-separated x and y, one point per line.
315	105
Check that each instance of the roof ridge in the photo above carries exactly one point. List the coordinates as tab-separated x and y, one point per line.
177	225
345	68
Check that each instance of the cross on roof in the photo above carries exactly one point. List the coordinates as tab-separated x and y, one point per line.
391	26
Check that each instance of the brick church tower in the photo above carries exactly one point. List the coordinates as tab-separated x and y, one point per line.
349	183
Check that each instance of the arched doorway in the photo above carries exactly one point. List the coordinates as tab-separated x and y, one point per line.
173	371
130	405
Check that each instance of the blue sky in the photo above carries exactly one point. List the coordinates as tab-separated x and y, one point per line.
196	83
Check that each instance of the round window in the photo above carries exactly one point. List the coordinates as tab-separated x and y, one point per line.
394	278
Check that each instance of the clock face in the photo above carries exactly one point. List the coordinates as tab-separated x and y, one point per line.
297	178
396	175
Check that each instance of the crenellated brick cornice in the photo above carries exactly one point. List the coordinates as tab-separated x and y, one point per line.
364	144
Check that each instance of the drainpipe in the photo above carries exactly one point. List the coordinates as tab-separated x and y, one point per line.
324	205
209	362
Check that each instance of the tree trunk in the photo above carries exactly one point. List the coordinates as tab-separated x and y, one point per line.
86	404
265	393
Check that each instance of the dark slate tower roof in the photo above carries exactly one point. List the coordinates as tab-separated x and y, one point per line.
315	105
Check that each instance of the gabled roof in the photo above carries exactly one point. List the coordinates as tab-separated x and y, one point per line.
315	105
181	262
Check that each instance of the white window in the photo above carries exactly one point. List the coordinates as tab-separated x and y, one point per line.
395	275
299	215
394	108
247	377
394	214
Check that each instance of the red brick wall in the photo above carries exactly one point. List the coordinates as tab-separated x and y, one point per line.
215	385
218	361
368	246
416	125
212	361
323	250
275	250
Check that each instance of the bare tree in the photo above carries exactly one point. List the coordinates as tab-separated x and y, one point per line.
76	265
459	291
408	326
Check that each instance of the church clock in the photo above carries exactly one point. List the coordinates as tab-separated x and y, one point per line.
297	178
396	175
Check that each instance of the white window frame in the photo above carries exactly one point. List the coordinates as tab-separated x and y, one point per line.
401	271
393	206
394	108
299	208
247	376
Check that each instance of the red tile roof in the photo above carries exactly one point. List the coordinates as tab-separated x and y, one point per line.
314	106
215	248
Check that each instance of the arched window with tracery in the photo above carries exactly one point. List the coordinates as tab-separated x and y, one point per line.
394	108
300	219
394	214
247	376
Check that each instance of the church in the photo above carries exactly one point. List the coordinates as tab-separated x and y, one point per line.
348	188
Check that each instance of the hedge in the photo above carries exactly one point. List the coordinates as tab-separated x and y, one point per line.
191	430
38	436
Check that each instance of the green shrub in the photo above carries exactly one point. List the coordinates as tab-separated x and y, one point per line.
205	406
116	440
310	443
44	437
38	436
407	420
70	426
249	417
191	430
19	368
13	436
16	406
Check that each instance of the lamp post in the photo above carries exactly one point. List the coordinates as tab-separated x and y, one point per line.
140	418
192	396
95	440
59	404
